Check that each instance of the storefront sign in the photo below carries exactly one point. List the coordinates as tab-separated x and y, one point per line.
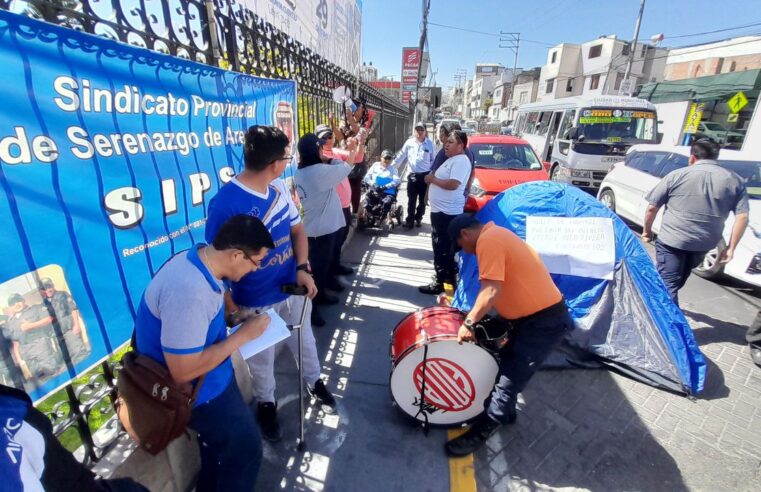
693	118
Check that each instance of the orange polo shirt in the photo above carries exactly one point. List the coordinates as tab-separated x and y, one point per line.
527	287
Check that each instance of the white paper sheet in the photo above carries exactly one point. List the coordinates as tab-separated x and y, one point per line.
580	246
275	332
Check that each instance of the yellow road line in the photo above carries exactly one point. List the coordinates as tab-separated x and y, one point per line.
462	476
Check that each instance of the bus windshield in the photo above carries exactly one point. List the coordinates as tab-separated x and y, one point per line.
616	125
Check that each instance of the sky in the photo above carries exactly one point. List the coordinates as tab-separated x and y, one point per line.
389	25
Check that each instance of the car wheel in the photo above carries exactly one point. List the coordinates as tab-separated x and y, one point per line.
710	267
554	174
609	200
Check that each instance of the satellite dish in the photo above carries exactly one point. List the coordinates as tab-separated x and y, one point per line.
657	38
341	94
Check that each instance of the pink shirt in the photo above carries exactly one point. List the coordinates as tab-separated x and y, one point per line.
344	188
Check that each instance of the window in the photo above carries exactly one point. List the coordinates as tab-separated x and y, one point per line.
554	57
647	162
733	66
532	120
550	85
523	97
619	79
594	82
544	123
595	51
520	123
566	123
626	49
644	51
674	162
569	85
505	156
498	94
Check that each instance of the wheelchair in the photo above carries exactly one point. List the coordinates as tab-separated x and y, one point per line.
379	208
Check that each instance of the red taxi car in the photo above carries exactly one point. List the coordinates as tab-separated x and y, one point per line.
501	162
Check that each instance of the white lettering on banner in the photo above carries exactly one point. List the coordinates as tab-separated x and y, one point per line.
580	246
107	145
163	239
16	149
124	207
76	95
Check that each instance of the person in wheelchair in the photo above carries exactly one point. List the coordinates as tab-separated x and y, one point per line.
382	184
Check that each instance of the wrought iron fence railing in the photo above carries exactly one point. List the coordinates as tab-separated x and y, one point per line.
215	32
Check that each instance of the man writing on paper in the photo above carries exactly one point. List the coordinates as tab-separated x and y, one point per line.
259	192
181	323
514	283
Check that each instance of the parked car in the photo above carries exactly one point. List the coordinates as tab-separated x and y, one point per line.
628	182
501	162
719	133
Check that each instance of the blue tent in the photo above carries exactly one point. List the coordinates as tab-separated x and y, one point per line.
628	324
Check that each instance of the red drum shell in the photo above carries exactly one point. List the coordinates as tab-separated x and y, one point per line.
437	322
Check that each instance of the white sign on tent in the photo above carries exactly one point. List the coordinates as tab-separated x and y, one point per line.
580	246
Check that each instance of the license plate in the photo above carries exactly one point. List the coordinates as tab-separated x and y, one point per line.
612	158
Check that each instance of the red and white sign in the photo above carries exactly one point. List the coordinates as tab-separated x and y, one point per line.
410	69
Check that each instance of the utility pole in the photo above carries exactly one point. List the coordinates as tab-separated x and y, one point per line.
628	89
511	41
423	38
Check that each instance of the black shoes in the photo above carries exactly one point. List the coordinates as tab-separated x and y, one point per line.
344	270
325	299
755	355
408	224
334	285
434	288
323	396
418	223
266	414
473	438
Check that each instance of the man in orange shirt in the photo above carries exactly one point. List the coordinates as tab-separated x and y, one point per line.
517	288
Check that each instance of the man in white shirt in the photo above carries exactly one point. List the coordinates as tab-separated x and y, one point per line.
447	199
418	153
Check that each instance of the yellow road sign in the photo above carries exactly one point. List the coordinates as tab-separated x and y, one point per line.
732	118
693	119
737	102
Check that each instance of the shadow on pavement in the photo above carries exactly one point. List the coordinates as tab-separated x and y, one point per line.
576	429
716	330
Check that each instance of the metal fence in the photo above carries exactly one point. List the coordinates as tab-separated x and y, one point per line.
215	32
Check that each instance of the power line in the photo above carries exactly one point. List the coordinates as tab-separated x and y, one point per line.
495	35
736	28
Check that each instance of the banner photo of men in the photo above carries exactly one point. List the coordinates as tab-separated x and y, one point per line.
109	155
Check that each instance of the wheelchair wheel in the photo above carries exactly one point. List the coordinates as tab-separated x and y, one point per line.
398	214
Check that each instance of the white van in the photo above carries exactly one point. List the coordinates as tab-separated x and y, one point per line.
582	137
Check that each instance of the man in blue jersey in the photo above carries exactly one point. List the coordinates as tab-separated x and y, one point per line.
259	192
181	323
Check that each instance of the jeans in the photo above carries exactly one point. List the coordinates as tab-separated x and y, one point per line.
321	253
531	341
753	335
443	256
416	192
231	447
341	236
675	265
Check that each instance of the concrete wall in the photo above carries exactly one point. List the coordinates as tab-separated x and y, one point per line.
733	55
752	143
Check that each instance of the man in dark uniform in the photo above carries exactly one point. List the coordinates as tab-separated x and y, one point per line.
9	373
62	307
31	331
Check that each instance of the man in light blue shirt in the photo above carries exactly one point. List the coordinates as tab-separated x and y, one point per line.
418	153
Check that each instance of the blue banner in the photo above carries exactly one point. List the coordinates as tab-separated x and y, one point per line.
109	155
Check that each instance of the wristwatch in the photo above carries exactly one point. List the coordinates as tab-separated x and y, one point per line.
304	267
468	323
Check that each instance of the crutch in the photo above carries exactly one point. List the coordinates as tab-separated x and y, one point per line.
297	290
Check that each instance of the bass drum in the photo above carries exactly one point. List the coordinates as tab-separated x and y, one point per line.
426	358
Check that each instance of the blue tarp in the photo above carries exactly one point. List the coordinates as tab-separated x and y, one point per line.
629	323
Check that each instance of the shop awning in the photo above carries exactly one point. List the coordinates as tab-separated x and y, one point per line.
708	88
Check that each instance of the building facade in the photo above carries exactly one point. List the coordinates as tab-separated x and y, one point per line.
732	55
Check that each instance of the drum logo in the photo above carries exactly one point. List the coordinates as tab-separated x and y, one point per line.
448	386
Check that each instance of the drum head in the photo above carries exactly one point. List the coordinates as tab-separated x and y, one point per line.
457	380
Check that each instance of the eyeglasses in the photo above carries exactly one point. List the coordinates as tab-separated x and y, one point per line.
285	158
256	263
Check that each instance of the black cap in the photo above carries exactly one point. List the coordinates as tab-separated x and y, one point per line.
14	298
387	154
459	223
46	283
420	126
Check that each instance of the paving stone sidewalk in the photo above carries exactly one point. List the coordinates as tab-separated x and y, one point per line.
597	430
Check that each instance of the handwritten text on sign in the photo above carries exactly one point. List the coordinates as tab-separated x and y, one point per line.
580	246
